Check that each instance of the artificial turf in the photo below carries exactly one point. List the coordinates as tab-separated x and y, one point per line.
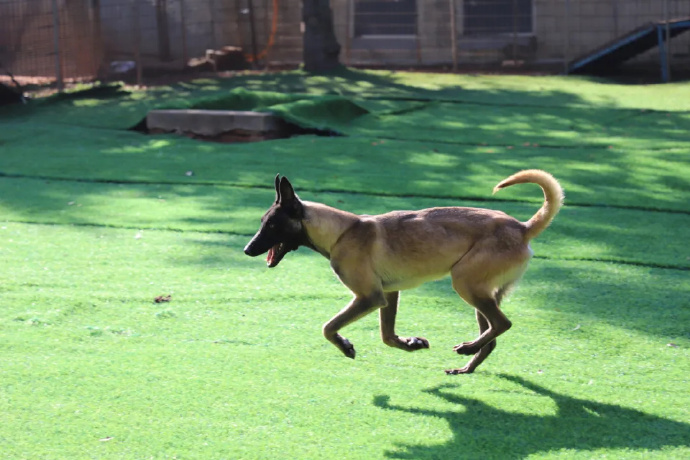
99	220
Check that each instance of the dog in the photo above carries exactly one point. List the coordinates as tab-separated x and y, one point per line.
485	252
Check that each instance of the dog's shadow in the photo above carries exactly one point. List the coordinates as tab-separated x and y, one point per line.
483	431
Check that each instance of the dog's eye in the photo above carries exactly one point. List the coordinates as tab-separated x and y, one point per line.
271	225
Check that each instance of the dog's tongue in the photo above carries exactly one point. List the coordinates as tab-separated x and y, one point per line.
269	257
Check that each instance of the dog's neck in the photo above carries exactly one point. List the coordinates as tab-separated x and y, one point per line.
325	225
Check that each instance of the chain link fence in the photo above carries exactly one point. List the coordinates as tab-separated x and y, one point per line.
61	41
75	40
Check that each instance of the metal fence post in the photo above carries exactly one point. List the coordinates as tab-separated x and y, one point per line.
454	34
566	38
349	32
183	33
97	38
56	47
163	30
212	11
667	43
662	53
515	32
252	28
136	34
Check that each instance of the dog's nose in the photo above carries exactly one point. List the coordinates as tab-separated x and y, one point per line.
249	249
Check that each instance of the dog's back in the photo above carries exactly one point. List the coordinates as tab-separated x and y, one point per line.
408	248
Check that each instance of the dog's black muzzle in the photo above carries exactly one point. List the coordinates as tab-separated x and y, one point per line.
262	243
258	245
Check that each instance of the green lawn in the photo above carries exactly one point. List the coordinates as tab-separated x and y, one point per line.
97	220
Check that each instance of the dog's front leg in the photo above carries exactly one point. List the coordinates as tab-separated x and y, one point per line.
387	316
359	306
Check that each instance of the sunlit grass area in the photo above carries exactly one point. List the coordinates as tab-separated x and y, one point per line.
97	221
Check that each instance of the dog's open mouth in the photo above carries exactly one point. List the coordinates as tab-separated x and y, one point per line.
276	254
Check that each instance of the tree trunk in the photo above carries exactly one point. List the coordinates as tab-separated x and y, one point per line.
321	48
163	30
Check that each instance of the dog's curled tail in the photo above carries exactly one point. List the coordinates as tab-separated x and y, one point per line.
553	198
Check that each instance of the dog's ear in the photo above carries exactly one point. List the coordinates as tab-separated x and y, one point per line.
277	188
288	198
285	190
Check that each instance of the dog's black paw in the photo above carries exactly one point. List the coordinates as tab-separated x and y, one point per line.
467	348
463	370
347	348
415	343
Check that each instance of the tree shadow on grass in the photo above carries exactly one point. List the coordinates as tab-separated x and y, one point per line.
483	431
439	149
381	85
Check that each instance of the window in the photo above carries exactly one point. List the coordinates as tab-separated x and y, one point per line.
385	18
493	17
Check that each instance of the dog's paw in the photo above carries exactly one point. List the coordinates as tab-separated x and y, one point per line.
466	348
415	343
462	370
347	348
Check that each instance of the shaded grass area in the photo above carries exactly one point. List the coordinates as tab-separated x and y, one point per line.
656	179
561	111
123	107
97	221
531	126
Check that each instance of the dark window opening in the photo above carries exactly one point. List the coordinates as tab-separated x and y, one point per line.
385	17
491	17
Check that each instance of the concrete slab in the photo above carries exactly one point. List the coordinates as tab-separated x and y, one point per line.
212	123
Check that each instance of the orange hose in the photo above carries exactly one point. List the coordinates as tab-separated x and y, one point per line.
271	38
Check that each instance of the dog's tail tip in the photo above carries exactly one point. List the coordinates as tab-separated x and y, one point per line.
553	197
504	183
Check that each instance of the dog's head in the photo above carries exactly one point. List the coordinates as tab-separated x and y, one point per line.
281	228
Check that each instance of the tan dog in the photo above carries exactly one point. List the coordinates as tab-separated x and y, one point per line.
484	251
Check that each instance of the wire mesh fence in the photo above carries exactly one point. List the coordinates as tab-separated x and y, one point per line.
72	40
67	40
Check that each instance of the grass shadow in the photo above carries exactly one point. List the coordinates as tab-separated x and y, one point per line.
483	431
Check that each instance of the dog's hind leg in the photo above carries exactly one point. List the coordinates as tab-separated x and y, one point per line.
485	299
387	319
498	324
482	354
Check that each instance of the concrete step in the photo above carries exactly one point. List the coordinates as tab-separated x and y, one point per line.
214	123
